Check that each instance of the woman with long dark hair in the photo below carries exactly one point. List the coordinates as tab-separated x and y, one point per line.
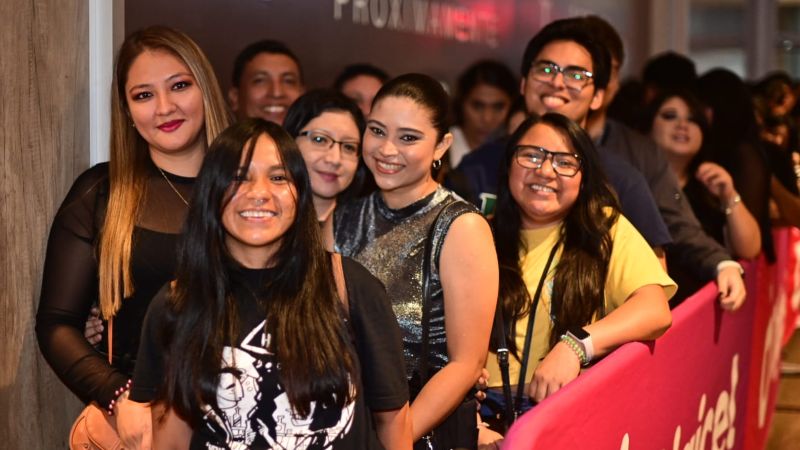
576	278
251	346
113	239
432	251
327	127
677	123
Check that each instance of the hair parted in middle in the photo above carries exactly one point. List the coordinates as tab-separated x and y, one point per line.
303	312
129	153
313	104
424	91
580	273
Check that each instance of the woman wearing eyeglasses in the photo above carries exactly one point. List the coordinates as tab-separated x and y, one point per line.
569	261
327	127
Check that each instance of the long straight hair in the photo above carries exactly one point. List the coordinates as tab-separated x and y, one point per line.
580	273
129	155
304	313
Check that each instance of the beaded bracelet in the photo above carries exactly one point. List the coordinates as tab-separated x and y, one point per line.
117	394
575	348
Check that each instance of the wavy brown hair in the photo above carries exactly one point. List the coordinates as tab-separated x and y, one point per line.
129	155
580	273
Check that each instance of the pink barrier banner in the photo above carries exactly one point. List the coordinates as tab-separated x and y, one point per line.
709	383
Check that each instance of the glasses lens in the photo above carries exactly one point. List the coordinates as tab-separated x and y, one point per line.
350	148
544	71
320	140
576	78
530	157
566	164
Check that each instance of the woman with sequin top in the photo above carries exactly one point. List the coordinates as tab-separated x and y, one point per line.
387	231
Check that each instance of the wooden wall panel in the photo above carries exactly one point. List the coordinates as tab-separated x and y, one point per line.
44	145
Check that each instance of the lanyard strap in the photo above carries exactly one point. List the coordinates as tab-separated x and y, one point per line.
529	333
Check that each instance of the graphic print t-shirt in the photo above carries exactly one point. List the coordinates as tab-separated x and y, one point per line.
253	410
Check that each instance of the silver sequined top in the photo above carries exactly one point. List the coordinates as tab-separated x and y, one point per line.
390	244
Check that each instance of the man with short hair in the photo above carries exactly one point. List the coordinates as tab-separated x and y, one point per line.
267	79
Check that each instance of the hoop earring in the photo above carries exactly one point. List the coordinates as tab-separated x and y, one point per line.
437	164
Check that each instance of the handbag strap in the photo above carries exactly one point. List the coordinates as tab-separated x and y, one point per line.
529	332
499	331
427	293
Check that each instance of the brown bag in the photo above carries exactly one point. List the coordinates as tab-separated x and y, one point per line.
94	429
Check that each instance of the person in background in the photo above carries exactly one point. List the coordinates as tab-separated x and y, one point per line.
262	341
267	79
360	83
113	238
704	257
577	280
678	125
732	142
484	93
413	234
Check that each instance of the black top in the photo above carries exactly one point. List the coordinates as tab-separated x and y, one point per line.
254	411
70	280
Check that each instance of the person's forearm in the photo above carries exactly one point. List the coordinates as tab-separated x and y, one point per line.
394	428
441	395
743	233
644	316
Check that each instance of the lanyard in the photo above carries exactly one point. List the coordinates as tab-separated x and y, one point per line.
529	333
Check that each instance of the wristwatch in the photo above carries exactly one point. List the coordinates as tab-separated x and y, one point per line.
584	339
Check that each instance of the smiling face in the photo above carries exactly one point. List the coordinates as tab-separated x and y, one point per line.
262	209
165	104
485	109
399	147
331	170
675	130
270	83
553	96
543	196
362	90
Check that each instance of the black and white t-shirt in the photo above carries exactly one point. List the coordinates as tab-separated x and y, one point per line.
253	409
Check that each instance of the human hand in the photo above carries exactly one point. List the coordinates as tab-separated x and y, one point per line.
93	330
717	180
489	439
134	424
481	385
558	368
732	291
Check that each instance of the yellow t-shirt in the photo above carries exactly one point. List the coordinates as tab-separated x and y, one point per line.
631	266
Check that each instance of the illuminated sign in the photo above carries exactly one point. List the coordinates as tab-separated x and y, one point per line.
439	19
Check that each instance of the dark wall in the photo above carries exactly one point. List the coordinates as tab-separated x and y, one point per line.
438	37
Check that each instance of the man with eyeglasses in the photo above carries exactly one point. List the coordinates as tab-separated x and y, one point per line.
560	74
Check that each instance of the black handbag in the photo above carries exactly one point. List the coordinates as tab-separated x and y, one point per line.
460	429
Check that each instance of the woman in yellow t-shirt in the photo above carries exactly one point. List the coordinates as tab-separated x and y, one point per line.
567	254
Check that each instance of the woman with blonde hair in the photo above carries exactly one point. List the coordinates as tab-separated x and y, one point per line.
112	241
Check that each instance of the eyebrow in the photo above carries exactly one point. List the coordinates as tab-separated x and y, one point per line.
169	78
406	129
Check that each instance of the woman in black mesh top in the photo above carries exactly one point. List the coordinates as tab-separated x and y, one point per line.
112	240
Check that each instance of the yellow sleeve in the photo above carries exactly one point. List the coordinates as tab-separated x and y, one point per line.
633	264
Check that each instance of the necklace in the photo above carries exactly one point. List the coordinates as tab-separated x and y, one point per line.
172	186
